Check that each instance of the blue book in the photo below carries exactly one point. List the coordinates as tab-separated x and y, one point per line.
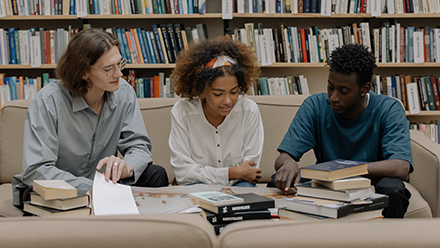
120	7
180	7
96	7
410	44
141	86
142	45
335	169
159	7
147	49
13	86
393	87
127	50
12	53
121	44
6	82
431	45
264	86
190	6
72	7
146	83
150	45
158	44
255	8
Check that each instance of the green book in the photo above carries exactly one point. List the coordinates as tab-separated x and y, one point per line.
45	79
429	93
17	46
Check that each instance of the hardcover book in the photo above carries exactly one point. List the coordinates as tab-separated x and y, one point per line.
347	195
335	169
49	212
345	183
215	198
293	215
214	218
54	189
251	202
60	204
335	209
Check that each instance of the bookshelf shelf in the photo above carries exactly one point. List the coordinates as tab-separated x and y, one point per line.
335	16
156	16
24	67
39	17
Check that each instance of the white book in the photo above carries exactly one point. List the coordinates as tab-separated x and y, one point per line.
390	7
368	7
286	85
340	37
52	46
265	52
397	42
243	36
392	40
378	85
287	49
295	44
376	9
29	91
333	42
399	6
266	6
3	47
419	55
294	6
250	8
424	6
2	8
365	26
195	35
281	86
150	7
304	85
226	9
24	47
338	7
275	86
257	45
35	51
384	45
268	33
398	89
272	6
416	6
413	98
168	84
47	7
5	94
326	7
81	8
185	6
352	6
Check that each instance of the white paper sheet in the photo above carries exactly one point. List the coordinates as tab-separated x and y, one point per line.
112	199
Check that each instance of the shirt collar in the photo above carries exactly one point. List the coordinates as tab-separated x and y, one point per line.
79	104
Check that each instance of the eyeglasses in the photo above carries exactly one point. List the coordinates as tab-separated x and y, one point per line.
112	69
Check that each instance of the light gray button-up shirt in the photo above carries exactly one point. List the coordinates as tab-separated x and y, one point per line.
65	139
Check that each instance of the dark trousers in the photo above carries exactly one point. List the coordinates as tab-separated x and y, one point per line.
153	176
398	196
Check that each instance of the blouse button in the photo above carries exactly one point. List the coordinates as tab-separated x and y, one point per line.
216	131
219	161
218	145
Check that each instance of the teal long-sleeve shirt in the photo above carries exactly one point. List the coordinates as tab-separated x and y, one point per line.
65	139
380	133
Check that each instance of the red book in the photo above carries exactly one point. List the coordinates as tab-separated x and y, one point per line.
45	41
156	86
151	87
117	7
304	45
435	92
176	6
364	6
402	44
132	79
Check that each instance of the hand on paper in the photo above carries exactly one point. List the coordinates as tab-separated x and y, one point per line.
246	172
115	168
287	172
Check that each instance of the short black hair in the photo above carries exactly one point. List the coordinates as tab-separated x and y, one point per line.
353	58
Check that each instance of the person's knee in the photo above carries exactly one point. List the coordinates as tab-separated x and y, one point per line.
391	187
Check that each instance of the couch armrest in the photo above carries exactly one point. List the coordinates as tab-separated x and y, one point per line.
426	161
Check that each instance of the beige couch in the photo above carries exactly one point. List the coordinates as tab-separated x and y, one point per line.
277	113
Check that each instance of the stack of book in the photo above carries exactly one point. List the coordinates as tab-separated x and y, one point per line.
221	209
56	198
336	191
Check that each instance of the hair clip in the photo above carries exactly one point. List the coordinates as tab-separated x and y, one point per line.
219	61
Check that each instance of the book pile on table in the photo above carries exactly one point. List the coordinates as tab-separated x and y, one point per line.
221	209
56	198
336	190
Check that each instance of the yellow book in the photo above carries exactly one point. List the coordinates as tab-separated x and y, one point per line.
54	189
162	43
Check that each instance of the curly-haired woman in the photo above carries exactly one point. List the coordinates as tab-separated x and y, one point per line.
216	134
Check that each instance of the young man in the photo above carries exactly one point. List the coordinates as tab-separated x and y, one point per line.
351	122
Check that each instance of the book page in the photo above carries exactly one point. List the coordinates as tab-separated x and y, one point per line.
54	184
112	199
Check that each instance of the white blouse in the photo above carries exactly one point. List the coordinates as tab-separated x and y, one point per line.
201	153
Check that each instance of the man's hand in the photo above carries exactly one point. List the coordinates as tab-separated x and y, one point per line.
246	172
115	168
287	172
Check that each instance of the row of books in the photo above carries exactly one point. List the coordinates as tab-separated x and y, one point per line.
33	46
288	85
326	7
51	198
393	43
21	87
100	7
297	45
221	209
39	46
430	130
150	87
417	93
336	191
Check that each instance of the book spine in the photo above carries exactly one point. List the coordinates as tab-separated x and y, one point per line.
224	219
245	207
158	45
377	203
173	42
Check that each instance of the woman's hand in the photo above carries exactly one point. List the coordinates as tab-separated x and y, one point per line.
245	172
115	168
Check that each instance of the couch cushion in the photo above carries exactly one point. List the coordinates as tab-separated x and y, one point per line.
11	143
418	207
115	231
332	233
6	207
